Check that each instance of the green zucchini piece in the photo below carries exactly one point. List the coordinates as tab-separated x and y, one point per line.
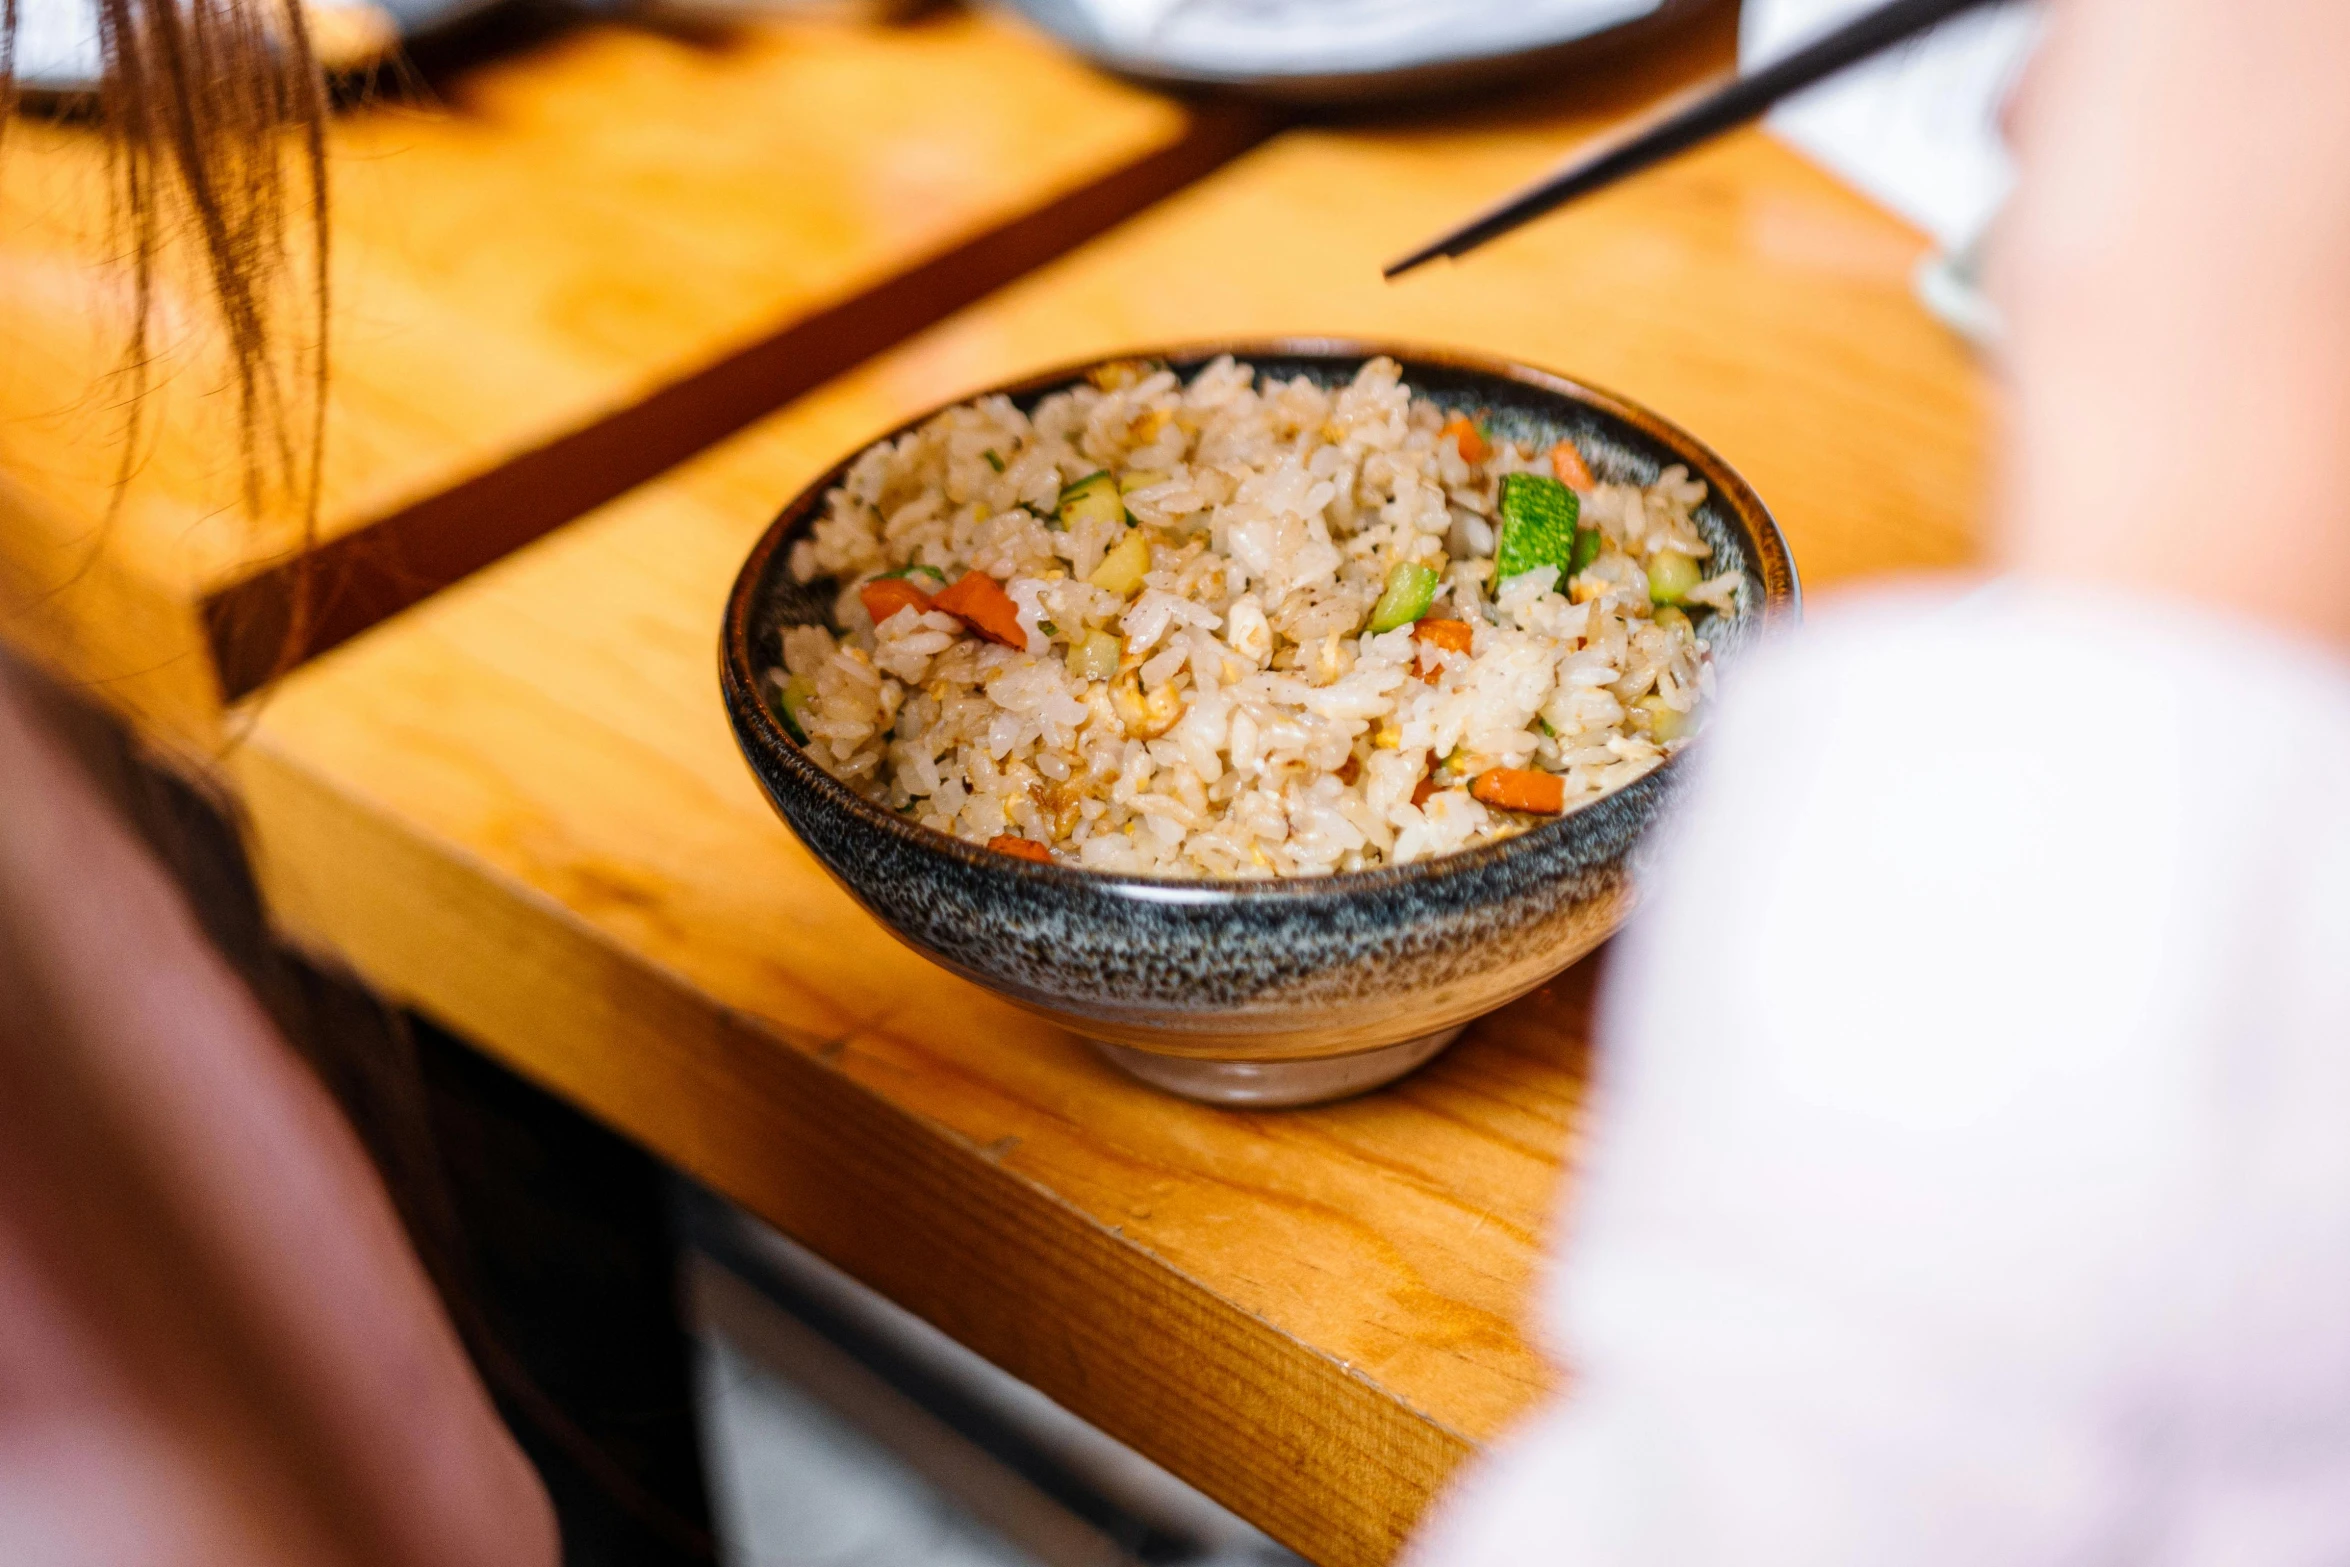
798	695
1664	725
1538	529
1095	655
1122	570
1671	575
1586	551
1410	590
1094	498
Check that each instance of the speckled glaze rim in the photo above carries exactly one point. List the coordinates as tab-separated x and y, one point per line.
740	670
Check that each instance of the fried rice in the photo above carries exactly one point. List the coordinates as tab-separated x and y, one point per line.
1152	627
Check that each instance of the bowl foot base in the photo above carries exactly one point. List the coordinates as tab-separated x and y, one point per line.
1274	1085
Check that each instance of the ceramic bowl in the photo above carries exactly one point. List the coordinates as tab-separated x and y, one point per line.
1275	992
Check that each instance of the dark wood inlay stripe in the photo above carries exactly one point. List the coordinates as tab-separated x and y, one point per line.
376	570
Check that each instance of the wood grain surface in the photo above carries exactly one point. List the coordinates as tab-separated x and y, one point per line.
518	807
579	261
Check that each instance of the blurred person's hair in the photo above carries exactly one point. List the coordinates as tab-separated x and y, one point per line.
214	115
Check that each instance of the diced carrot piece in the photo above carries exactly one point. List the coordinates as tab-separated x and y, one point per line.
1568	464
980	602
885	596
1424	788
1462	431
1521	789
1451	635
1021	848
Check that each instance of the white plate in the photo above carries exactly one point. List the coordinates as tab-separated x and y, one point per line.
57	40
1333	51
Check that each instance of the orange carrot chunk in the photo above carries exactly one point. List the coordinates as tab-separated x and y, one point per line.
1569	465
979	602
885	596
1521	789
1424	788
1451	635
1021	848
1462	431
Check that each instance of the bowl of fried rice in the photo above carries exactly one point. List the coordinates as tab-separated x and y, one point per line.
1263	712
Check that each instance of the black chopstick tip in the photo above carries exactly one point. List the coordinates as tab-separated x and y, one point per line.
1413	262
1740	101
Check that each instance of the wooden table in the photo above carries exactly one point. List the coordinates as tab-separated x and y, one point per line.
583	260
519	808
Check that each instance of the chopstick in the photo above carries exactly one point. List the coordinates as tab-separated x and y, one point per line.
1744	99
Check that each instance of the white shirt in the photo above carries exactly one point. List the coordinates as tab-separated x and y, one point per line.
1971	1175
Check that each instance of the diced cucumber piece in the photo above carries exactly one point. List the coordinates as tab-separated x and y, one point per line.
1537	527
798	696
1410	590
1094	498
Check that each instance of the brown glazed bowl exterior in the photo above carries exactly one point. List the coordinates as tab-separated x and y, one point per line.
1259	971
